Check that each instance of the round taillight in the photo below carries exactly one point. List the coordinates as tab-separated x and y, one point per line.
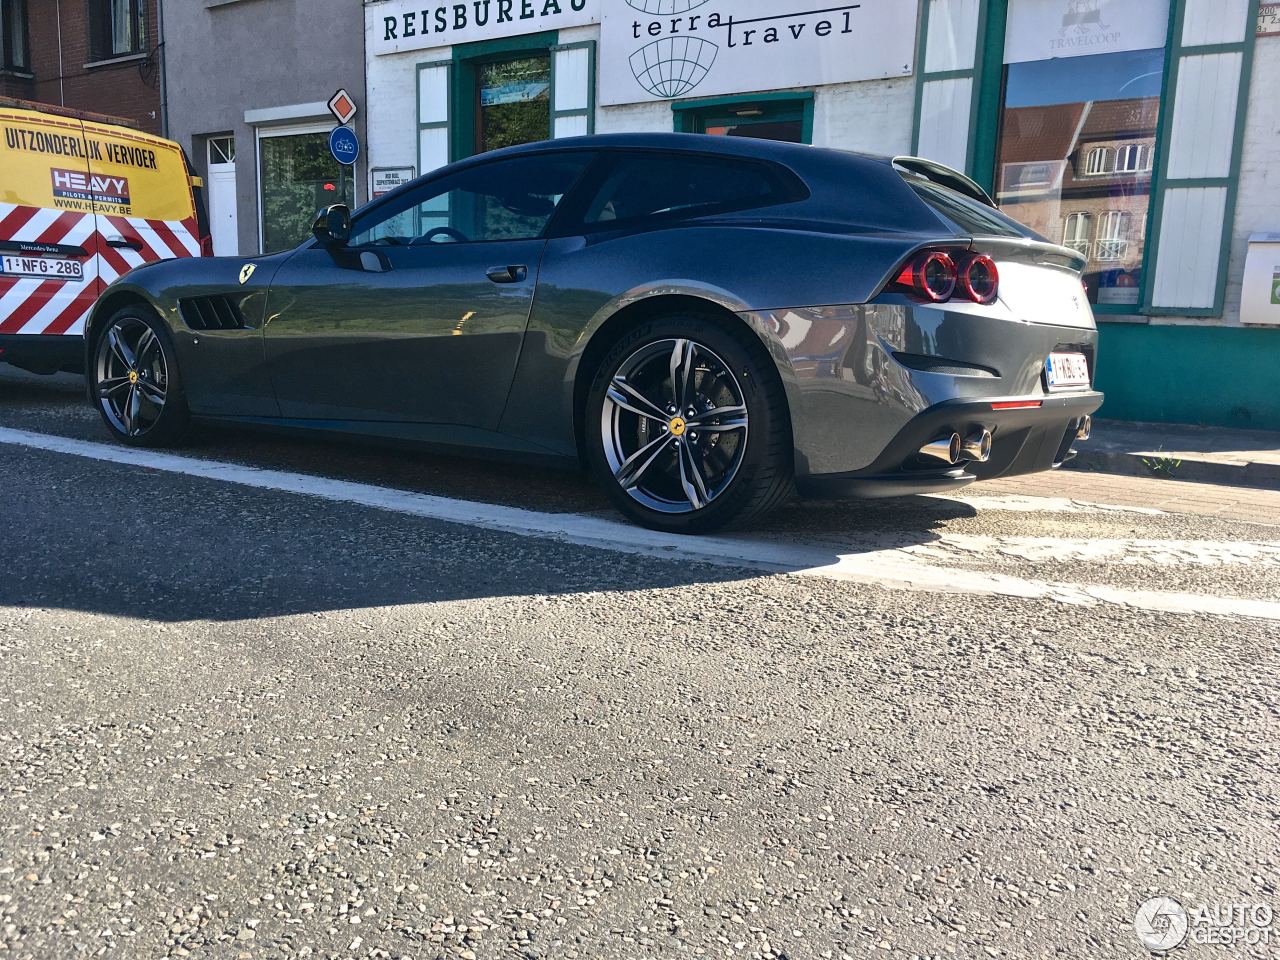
980	279
931	276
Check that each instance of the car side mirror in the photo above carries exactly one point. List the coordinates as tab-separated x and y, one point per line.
333	227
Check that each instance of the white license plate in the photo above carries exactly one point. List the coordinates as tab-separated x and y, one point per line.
1065	370
49	268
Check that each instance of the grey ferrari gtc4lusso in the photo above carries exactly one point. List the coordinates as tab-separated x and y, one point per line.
709	324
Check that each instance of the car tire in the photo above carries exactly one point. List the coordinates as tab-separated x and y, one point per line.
723	459
134	380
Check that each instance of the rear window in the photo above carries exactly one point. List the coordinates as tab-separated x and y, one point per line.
965	214
676	186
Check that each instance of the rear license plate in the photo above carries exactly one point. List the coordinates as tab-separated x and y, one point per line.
1066	370
49	268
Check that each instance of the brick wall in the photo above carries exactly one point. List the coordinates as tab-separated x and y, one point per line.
127	88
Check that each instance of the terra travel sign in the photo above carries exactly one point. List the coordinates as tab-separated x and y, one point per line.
667	49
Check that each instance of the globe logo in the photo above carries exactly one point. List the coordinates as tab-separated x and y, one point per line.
673	66
664	8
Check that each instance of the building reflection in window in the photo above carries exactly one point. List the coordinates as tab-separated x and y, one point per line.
1077	148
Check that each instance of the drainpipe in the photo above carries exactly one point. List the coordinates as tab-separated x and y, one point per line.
62	96
164	73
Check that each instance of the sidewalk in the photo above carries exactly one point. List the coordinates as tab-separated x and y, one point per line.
1247	458
1142	493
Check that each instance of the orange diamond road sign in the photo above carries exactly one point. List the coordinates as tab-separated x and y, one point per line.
342	106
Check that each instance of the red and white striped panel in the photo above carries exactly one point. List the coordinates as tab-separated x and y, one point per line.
29	305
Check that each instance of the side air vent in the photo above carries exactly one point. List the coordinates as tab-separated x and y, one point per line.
212	313
951	368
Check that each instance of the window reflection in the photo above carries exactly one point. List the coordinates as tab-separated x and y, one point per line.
1077	148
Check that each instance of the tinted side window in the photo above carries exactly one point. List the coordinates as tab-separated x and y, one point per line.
510	199
963	213
686	185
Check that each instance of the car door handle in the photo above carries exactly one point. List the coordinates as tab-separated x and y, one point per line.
119	241
512	274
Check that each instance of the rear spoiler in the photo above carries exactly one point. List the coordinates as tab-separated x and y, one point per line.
944	176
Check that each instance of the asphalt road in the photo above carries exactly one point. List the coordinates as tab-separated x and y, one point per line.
251	714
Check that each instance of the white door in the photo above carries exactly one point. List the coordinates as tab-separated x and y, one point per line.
222	196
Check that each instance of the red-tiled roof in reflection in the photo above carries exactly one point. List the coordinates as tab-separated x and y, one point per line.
1118	119
1037	134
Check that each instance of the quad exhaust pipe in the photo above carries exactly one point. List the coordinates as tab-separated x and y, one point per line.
946	449
952	449
1085	430
977	447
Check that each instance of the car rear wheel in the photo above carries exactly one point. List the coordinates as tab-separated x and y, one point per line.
135	382
687	427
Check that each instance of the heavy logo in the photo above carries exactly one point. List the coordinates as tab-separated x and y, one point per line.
90	188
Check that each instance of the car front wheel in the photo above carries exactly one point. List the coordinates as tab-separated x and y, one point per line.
134	380
687	427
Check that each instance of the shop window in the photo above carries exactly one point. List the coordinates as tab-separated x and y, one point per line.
1079	106
513	102
299	177
1075	232
13	35
1099	162
117	28
789	118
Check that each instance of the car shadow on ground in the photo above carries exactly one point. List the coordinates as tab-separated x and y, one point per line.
151	545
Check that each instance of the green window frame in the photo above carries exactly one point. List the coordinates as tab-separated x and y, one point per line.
589	114
694	116
1161	180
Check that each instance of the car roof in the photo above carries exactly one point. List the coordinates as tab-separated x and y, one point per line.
744	147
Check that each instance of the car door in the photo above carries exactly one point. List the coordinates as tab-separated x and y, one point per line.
143	199
420	318
48	273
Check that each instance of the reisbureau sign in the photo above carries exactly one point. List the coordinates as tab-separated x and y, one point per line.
665	49
402	25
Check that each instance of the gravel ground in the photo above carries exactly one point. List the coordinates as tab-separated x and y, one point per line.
249	724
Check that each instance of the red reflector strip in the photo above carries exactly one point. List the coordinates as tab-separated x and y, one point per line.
1017	404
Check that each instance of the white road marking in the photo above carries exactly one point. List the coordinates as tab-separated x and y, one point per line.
888	567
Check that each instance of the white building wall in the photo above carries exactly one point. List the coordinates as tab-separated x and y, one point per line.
1258	202
873	116
392	99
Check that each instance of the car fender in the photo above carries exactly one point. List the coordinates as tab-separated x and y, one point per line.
689	290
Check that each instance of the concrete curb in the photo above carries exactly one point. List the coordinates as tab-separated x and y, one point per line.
1264	476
